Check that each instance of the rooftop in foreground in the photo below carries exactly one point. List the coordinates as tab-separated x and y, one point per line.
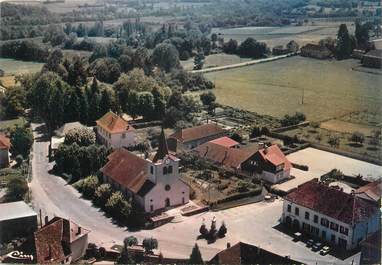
15	210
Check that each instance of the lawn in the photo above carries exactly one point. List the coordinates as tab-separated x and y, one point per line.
9	124
214	60
11	66
330	88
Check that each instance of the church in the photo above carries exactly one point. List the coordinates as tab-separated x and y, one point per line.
152	182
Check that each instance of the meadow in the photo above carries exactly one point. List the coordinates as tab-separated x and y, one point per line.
214	60
328	88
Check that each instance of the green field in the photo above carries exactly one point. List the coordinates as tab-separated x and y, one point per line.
214	60
330	88
11	66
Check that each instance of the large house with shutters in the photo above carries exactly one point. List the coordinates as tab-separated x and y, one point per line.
152	182
330	214
115	132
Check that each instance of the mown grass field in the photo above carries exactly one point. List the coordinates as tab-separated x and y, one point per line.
330	88
214	60
11	66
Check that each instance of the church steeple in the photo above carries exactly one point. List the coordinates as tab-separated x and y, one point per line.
162	148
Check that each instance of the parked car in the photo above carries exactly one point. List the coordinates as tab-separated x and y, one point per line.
309	243
297	236
325	250
317	246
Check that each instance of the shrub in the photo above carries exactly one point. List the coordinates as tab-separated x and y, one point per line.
89	186
102	194
222	230
203	230
21	141
357	137
237	137
17	187
288	120
334	141
130	241
256	132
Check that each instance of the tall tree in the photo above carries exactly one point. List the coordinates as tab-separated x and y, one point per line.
196	256
344	43
166	56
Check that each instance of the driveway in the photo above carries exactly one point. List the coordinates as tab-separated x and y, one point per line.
253	223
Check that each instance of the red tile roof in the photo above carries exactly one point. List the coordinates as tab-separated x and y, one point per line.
5	143
198	132
228	157
127	169
242	253
371	191
331	202
225	141
53	240
112	123
275	156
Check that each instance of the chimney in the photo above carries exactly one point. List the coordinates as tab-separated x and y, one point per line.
46	219
261	145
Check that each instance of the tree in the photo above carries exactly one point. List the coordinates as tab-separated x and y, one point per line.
106	102
344	43
203	230
199	61
357	137
361	34
256	132
149	244
17	187
208	98
230	47
166	57
21	141
292	46
130	241
196	256
89	186
251	48
118	206
80	136
237	137
222	230
334	141
102	194
14	101
106	69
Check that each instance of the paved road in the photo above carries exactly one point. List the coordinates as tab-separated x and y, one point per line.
252	223
237	65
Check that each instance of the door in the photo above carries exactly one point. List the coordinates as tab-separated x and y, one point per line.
167	202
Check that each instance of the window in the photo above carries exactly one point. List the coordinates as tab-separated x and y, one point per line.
151	170
169	169
314	230
315	219
151	208
324	222
296	211
306	215
344	230
324	235
167	187
334	226
165	171
289	208
305	227
123	135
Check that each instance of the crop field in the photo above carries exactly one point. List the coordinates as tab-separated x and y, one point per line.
214	60
329	88
274	36
11	66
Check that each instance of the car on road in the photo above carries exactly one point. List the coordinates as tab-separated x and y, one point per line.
316	246
309	243
325	250
297	236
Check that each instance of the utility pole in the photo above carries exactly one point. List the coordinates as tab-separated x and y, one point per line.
302	98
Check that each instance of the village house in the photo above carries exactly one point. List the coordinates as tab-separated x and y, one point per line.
243	253
115	132
316	51
189	138
17	219
60	241
226	142
330	214
268	162
371	191
5	145
153	182
372	59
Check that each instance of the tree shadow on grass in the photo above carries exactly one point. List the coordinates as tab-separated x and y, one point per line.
355	145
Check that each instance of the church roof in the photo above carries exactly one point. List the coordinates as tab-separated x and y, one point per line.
162	149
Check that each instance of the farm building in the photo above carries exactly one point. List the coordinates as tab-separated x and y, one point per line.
373	59
60	241
5	145
189	138
154	183
17	219
330	214
115	132
316	51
